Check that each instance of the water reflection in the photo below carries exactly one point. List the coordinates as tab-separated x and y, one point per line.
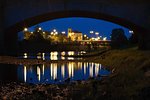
52	55
55	73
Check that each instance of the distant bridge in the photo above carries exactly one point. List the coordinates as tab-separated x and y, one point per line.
99	42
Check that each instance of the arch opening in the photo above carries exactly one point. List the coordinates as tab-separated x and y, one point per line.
13	30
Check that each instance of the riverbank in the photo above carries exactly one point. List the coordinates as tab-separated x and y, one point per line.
129	80
130	76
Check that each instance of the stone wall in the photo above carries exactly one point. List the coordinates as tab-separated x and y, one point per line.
1	28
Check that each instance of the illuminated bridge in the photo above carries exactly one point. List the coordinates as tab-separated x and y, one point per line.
17	14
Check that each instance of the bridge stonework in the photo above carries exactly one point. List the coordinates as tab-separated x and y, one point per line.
17	14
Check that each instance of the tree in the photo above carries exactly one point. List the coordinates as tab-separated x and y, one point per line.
37	35
118	38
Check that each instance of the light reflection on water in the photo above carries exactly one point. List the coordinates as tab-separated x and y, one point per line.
52	55
58	73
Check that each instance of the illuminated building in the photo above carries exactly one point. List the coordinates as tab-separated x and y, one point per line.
27	35
74	35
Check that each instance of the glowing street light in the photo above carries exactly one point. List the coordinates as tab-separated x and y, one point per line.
105	38
52	33
54	30
25	29
130	31
97	33
85	35
63	32
91	32
40	28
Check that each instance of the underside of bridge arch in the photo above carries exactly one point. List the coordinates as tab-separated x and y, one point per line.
11	32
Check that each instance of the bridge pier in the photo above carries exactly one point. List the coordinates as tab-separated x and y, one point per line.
10	42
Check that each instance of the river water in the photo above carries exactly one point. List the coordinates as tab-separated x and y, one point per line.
53	73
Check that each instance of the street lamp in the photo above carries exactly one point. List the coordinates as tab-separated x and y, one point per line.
63	32
97	33
130	31
52	33
85	35
40	28
25	29
91	32
54	30
105	38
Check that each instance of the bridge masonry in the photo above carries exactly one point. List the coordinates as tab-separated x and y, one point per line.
1	28
17	14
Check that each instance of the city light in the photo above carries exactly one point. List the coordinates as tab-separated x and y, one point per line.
105	38
91	32
25	29
40	28
52	33
54	30
97	33
130	31
63	32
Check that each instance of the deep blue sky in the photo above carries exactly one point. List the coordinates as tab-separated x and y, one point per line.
84	25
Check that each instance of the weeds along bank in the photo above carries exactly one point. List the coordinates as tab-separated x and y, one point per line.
130	76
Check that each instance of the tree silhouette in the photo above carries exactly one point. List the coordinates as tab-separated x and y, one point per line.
133	39
118	38
37	35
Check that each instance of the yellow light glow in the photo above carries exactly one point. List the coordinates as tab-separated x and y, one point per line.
54	30
71	53
63	70
71	69
96	69
54	55
40	28
38	73
25	55
84	68
53	70
43	56
43	69
63	32
96	33
25	29
25	74
52	33
105	38
91	71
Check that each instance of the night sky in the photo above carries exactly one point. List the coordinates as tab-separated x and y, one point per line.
84	25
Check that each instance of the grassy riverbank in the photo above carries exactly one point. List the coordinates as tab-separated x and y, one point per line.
131	73
130	78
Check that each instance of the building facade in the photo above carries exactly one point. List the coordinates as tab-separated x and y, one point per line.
75	35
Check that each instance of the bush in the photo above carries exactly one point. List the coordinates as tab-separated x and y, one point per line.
118	38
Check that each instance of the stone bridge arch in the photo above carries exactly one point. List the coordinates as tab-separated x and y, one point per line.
18	14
